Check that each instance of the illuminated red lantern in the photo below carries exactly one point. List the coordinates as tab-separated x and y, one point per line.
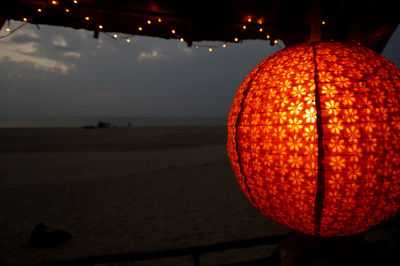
314	138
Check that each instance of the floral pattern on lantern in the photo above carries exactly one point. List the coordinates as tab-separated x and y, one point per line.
314	138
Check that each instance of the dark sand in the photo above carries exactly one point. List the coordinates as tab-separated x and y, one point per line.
123	190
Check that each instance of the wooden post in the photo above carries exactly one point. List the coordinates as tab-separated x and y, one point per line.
2	21
189	37
315	21
96	34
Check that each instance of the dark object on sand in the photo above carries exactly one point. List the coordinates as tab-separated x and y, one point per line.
102	124
41	238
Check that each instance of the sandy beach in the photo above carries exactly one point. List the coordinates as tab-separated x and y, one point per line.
124	190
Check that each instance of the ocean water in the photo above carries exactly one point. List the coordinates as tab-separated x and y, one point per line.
35	121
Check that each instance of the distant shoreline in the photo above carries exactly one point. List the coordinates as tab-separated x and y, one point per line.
76	122
75	139
116	127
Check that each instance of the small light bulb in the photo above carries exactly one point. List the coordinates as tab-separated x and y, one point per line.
75	1
25	19
101	27
197	46
87	18
249	20
259	21
268	36
181	39
149	22
140	28
39	10
236	39
115	36
8	29
224	45
67	10
54	2
210	49
261	29
128	40
159	20
244	27
173	31
323	22
276	41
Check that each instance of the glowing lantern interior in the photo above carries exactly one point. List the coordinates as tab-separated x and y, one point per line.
314	138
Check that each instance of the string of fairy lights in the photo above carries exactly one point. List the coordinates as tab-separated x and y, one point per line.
68	6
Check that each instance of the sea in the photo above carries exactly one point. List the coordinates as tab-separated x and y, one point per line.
46	121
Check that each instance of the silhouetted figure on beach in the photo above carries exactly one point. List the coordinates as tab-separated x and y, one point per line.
41	238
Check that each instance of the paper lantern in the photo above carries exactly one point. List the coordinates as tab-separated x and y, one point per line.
314	138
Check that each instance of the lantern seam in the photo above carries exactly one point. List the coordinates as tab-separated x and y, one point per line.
238	119
319	197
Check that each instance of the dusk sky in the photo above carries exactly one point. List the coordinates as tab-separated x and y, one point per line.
57	71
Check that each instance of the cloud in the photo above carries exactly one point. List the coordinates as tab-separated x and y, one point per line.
59	41
38	62
72	54
156	53
84	34
23	47
25	31
23	36
25	53
187	50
